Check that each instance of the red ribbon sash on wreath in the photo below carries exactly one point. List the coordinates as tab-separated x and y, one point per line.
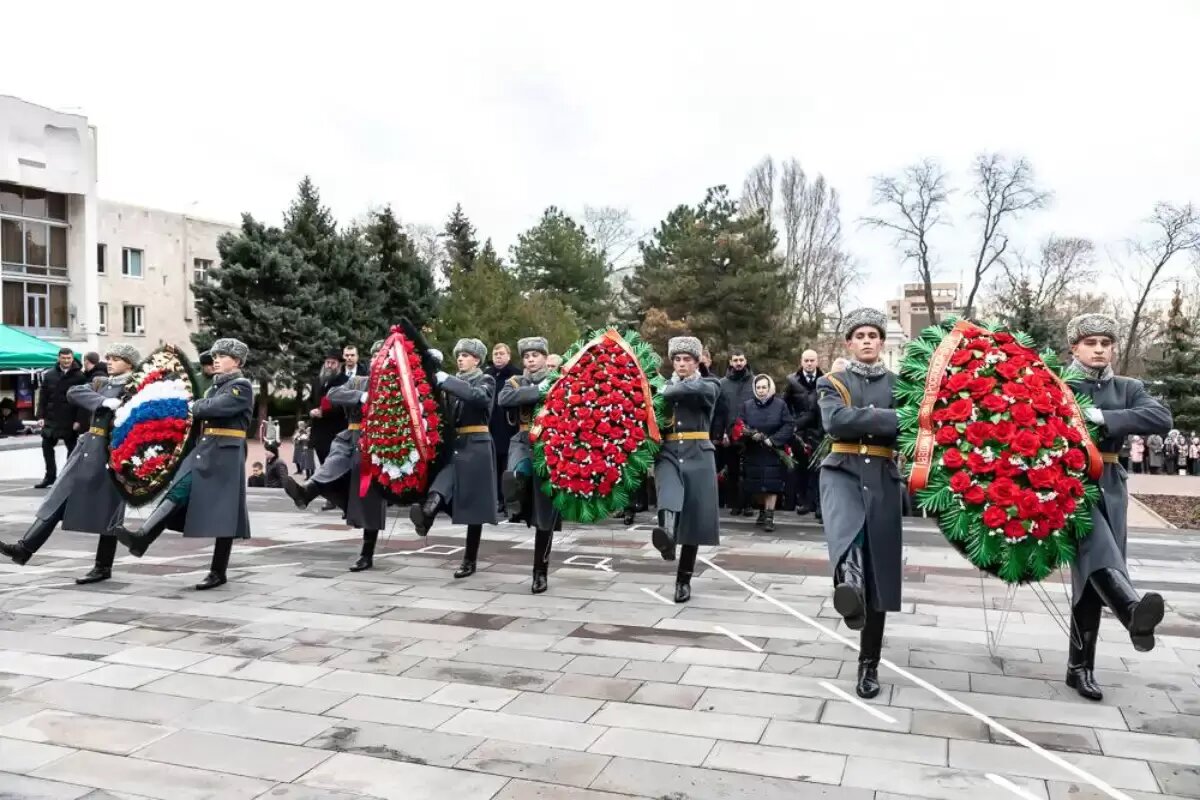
412	403
923	455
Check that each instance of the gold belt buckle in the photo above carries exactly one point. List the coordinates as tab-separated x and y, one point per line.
862	449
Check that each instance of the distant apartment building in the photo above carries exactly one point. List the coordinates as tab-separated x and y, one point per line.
911	311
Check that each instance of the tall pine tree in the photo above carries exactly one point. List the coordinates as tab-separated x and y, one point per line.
461	245
1175	374
406	280
557	257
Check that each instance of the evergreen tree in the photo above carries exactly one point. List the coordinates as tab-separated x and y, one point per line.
713	271
557	257
488	254
1175	375
406	280
1019	311
461	245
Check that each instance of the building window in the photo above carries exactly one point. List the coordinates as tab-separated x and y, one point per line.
200	268
103	318
39	306
101	255
135	319
131	262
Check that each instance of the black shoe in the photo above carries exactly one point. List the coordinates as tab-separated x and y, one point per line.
1139	615
762	518
868	680
363	563
683	592
663	535
16	552
748	512
849	596
132	541
802	510
629	517
735	512
540	582
769	521
45	484
301	493
513	487
211	582
1084	681
328	505
95	576
1143	619
465	570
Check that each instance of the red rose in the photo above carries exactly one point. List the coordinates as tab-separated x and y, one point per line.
1040	529
1003	431
1013	349
1028	505
1068	504
978	433
1069	487
1006	469
960	481
1026	443
961	358
1003	492
958	382
947	435
971	331
960	410
1073	435
993	404
981	386
1075	459
975	495
1014	529
1015	390
1047	435
1056	520
1009	369
1002	338
1042	477
995	517
1023	414
979	343
976	464
953	459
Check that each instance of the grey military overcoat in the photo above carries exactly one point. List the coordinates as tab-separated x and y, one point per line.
468	482
520	396
367	512
685	472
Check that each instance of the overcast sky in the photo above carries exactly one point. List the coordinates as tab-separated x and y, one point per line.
509	107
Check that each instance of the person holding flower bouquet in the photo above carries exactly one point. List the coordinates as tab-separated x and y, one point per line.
685	470
861	490
764	425
1100	575
467	483
84	498
523	495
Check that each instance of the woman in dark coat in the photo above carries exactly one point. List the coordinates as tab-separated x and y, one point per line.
767	428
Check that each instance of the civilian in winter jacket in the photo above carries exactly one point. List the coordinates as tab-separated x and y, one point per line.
59	418
801	398
767	429
276	470
737	387
93	368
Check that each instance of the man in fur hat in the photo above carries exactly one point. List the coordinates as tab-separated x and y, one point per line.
523	495
1100	575
861	490
85	498
466	485
685	471
207	497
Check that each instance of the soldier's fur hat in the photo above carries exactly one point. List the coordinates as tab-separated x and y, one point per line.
1086	325
685	344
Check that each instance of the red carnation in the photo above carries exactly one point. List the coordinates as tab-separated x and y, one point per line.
947	435
1003	492
975	495
994	404
1070	487
1014	529
1075	459
1024	415
995	517
960	481
953	459
978	433
958	382
1026	443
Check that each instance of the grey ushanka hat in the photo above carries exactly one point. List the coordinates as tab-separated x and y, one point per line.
860	317
684	344
472	347
535	343
1086	325
126	352
230	347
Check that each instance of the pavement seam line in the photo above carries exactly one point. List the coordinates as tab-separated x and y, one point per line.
746	643
849	698
1000	780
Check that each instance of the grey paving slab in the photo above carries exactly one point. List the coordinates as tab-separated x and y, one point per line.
157	657
904	779
234	755
518	678
536	763
22	756
393	712
41	666
571	709
673	781
394	780
667	748
532	790
526	730
300	699
733	727
10	683
102	701
466	695
1118	772
286	727
853	742
206	687
1178	779
777	762
151	779
122	676
775	706
396	743
22	787
395	687
263	671
1146	746
84	732
668	694
594	687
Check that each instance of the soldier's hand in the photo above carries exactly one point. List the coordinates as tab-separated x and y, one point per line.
111	403
316	413
441	377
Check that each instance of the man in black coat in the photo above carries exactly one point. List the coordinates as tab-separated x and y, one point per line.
500	425
59	418
93	368
801	397
353	366
736	388
327	419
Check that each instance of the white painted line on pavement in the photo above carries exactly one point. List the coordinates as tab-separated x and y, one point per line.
657	596
849	698
945	697
746	643
28	587
1012	787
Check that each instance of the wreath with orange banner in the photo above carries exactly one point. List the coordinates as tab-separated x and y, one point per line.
997	448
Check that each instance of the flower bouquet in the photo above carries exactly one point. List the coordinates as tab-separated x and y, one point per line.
596	431
400	428
997	448
152	429
739	433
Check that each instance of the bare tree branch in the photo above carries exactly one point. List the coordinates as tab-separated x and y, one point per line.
758	191
611	228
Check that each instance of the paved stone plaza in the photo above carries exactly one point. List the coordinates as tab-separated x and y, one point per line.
299	680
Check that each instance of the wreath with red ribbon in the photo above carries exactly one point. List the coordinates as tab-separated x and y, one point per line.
997	448
596	431
401	423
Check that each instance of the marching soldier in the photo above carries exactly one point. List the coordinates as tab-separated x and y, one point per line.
85	498
207	497
1100	574
861	490
523	495
685	471
337	479
466	484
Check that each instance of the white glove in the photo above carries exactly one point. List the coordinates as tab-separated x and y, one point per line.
437	355
111	403
440	377
544	385
1094	415
363	398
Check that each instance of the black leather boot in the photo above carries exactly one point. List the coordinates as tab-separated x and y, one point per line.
301	493
106	550
467	568
513	486
663	535
769	520
220	563
849	594
1081	663
137	541
422	516
542	542
870	643
366	558
683	577
36	536
1140	616
629	517
762	518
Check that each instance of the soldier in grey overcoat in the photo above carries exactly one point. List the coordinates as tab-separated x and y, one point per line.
862	493
523	489
85	498
685	470
338	478
467	484
207	497
1100	574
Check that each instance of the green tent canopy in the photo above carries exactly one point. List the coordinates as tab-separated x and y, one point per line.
22	351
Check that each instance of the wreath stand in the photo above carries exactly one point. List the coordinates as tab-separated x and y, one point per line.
996	635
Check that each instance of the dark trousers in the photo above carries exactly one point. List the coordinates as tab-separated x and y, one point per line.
729	460
49	442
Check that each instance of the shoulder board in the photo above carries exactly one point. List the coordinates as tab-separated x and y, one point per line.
839	386
99	383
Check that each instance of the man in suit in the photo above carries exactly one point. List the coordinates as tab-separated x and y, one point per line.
801	397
